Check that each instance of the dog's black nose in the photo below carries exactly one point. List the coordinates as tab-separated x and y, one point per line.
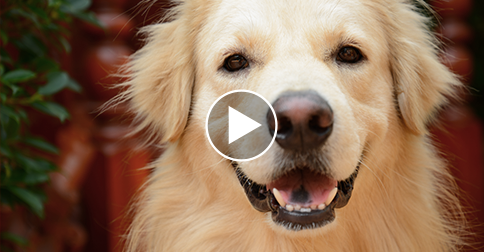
305	120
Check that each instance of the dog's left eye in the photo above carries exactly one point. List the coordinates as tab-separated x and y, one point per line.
349	54
235	62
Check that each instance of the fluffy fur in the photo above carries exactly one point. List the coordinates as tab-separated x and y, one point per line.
403	198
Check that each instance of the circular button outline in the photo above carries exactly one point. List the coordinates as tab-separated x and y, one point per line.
208	116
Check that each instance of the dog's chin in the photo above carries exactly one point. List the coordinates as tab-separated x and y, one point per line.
299	200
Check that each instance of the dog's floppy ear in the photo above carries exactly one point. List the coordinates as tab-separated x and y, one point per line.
422	82
161	78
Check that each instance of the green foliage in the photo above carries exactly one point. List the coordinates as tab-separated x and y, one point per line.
32	34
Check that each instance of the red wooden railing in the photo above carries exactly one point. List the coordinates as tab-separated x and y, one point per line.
114	174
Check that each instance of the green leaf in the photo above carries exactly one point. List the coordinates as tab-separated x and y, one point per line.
53	109
39	12
10	112
26	15
17	239
10	126
26	163
40	165
65	44
76	5
14	87
2	70
33	44
20	176
41	144
55	82
45	165
35	178
73	85
52	3
30	199
88	17
38	192
18	75
23	115
45	65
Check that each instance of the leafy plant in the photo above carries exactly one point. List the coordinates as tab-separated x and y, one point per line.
33	34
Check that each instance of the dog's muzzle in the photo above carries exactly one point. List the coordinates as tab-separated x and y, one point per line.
302	195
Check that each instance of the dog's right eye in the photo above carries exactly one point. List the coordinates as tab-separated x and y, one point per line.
349	54
235	62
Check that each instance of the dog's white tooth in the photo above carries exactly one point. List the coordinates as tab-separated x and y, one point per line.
278	196
297	207
305	209
314	207
321	206
331	196
289	208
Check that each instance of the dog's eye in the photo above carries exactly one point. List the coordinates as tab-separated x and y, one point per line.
235	62
349	54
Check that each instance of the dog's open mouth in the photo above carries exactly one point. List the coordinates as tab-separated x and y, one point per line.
300	199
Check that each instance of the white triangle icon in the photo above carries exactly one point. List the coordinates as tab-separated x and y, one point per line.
240	125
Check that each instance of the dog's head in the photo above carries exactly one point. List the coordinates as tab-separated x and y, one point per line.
343	77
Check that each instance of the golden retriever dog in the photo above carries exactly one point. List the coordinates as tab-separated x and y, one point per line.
354	84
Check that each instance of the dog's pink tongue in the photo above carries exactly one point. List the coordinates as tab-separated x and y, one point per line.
303	187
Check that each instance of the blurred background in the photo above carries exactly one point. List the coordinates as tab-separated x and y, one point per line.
69	172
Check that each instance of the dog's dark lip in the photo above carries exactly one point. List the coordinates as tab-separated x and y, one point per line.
264	201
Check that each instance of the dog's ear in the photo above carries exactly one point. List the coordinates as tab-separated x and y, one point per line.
422	82
161	79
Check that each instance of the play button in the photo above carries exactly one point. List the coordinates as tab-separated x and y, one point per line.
237	125
240	125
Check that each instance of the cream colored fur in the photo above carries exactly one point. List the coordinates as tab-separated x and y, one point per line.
403	198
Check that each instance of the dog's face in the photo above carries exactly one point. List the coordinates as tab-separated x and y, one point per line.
294	57
338	51
341	75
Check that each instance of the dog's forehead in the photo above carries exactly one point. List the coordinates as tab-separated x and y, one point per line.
291	12
287	24
281	16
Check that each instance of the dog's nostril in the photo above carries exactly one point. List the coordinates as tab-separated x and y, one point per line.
284	125
320	123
